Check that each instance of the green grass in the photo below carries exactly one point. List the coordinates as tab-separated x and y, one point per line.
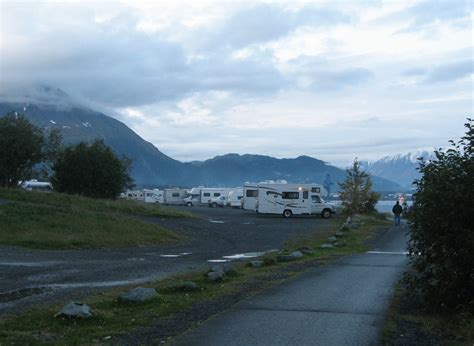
59	221
112	318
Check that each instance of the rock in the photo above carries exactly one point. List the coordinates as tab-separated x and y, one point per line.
307	252
340	244
332	239
75	310
339	234
227	268
326	246
185	286
348	226
296	254
216	276
256	264
138	295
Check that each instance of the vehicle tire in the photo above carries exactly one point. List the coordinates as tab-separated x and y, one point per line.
214	205
287	214
326	213
189	204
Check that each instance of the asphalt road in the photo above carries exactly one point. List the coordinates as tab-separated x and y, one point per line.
30	277
344	303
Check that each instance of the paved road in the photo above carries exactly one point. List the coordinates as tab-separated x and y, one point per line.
344	303
28	277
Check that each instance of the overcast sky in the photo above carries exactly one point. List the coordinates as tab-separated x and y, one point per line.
333	80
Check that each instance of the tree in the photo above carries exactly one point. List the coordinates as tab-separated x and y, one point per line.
441	246
22	146
91	170
356	191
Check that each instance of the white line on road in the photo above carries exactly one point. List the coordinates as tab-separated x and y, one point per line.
389	252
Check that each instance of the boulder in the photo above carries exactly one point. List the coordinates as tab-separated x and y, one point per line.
332	239
75	310
296	254
227	268
138	295
307	252
326	246
216	276
256	264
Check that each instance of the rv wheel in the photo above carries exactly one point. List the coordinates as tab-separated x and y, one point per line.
287	213
326	214
189	204
214	205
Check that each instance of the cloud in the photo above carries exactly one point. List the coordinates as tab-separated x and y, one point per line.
450	71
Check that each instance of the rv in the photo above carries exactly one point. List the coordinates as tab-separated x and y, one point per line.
250	196
293	199
35	185
155	196
134	195
174	196
235	198
218	202
203	195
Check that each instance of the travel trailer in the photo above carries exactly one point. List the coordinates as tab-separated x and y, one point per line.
35	185
203	195
174	196
155	196
293	199
235	198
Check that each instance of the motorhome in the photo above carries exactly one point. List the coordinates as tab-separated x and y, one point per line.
35	185
174	196
134	195
293	199
155	196
203	195
250	196
235	198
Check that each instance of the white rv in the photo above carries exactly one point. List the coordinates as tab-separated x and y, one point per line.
35	185
174	196
250	196
155	196
293	199
134	195
235	198
203	195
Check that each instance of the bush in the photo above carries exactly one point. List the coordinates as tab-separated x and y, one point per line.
91	170
441	246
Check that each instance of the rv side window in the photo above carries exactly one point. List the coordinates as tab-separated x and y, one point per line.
316	189
305	194
148	194
206	194
216	194
316	199
175	194
251	193
239	198
290	195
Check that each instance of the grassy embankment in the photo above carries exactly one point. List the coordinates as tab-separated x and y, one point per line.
113	318
60	221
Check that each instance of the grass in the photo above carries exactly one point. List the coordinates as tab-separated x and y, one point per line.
60	221
409	325
112	318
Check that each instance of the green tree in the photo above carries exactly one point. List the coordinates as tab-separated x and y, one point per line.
22	146
91	170
356	191
441	246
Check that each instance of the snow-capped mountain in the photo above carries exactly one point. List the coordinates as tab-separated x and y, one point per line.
401	168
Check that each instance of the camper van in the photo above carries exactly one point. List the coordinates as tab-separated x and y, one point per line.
293	199
155	196
35	185
204	195
250	196
235	198
174	196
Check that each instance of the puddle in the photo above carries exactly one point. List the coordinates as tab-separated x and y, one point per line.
186	253
29	264
216	221
217	261
244	255
247	223
170	256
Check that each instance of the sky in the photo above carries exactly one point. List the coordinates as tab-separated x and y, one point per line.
329	79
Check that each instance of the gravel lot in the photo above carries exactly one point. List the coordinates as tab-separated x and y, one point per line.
30	277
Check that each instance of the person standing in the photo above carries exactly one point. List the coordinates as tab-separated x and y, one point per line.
397	210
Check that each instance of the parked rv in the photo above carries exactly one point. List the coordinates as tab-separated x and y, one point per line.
203	195
155	196
235	198
250	196
134	195
174	196
35	185
293	199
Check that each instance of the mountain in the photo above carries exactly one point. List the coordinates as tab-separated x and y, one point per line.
234	169
52	108
401	169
